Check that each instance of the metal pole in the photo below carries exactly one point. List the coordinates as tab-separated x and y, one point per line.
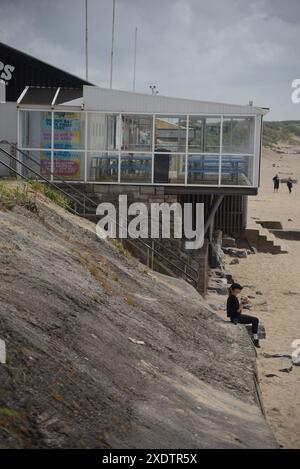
86	42
152	256
134	65
112	44
213	211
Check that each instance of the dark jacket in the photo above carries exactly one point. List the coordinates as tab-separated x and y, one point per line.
233	306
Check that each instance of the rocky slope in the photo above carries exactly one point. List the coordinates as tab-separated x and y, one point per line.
102	353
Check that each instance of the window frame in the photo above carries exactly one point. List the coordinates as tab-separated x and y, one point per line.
256	155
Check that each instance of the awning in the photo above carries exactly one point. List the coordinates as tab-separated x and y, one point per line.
34	95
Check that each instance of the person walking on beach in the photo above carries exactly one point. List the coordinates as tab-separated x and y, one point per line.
290	184
235	312
276	183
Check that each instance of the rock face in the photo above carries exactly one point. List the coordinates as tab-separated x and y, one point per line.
228	242
103	354
235	252
219	285
234	261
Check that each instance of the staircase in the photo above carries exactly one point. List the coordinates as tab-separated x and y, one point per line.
84	203
167	256
260	238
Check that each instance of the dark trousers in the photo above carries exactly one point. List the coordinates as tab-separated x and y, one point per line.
245	319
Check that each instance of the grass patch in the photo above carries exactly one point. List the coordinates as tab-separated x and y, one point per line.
8	412
52	194
16	425
12	196
119	247
96	271
115	277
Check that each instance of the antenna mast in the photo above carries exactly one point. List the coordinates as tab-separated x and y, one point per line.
112	44
86	42
134	65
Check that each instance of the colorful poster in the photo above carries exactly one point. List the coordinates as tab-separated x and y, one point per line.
67	131
67	165
67	136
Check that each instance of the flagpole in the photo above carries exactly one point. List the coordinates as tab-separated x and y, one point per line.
134	65
86	42
112	45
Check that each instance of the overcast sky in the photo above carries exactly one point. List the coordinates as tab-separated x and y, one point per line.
216	50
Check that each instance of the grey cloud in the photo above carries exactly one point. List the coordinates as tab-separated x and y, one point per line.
230	50
288	11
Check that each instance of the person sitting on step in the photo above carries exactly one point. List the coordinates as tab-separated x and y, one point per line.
235	311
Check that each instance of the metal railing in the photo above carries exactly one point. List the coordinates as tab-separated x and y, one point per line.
95	205
149	248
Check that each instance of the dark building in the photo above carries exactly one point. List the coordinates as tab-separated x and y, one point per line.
18	70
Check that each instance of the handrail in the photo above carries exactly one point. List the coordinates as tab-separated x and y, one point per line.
92	202
39	175
22	176
50	172
77	201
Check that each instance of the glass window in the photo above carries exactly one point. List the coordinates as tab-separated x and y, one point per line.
103	167
170	133
238	135
45	164
102	132
196	134
37	160
35	129
69	130
169	168
137	133
68	165
212	131
136	167
237	170
203	169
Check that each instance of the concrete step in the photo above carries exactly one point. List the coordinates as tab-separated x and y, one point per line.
265	245
270	225
282	249
263	239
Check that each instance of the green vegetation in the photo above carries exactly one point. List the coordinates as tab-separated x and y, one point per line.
12	196
120	247
15	424
284	132
24	195
50	193
8	412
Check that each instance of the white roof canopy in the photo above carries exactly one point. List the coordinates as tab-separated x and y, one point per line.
103	99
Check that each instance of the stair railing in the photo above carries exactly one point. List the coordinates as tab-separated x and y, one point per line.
76	201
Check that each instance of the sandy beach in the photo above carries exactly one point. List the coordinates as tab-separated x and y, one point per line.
277	277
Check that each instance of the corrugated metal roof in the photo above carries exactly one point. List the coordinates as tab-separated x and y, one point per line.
103	99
